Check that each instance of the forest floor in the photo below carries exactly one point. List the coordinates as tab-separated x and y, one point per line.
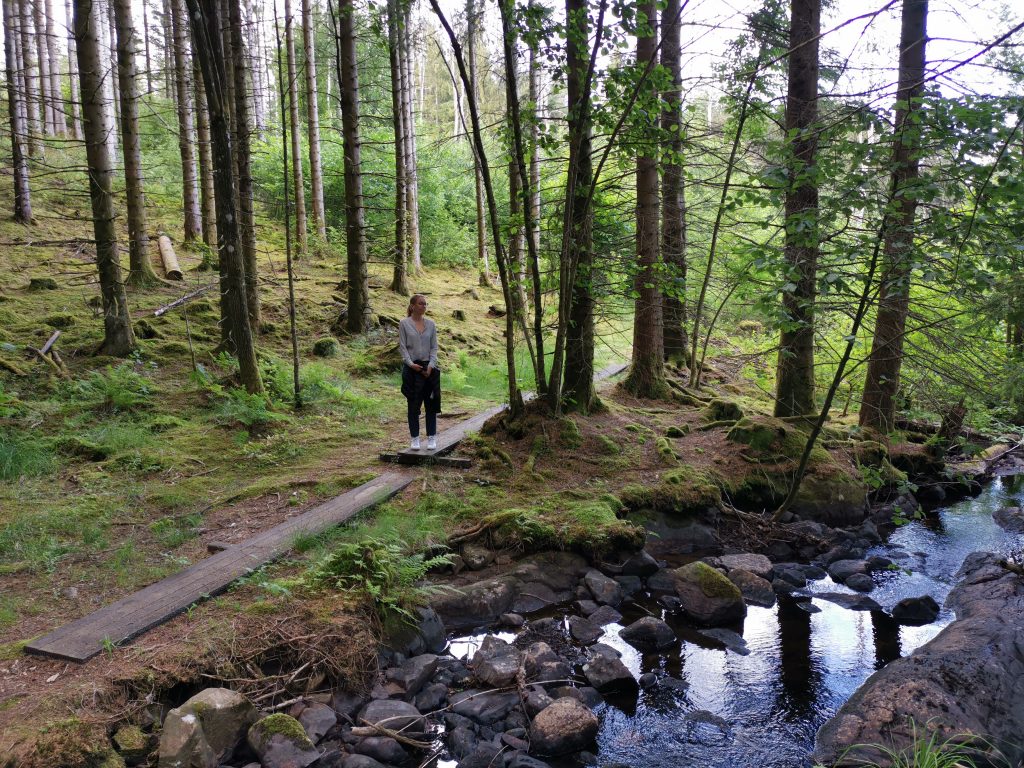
122	472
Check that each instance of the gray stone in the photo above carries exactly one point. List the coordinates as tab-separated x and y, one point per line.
808	607
346	703
476	557
791	573
533	596
648	680
536	700
426	635
707	596
462	741
814	573
852	602
414	673
565	726
759	565
361	761
630	585
604	615
381	748
584	631
280	742
649	635
860	582
606	591
662	581
585	607
395	715
916	611
484	707
511	620
496	662
783	587
475	604
432	697
1010	519
731	640
755	590
639	564
608	673
182	743
317	719
522	760
513	741
222	718
484	755
841	570
537	659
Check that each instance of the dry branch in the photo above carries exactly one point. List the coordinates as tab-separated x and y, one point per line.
183	300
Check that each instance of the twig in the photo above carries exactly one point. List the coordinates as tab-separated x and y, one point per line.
186	298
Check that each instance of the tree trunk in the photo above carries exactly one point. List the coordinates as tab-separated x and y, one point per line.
209	51
76	104
359	312
60	123
878	406
647	373
140	271
412	193
399	283
256	64
316	174
167	27
112	81
243	163
186	142
577	390
293	120
16	112
31	79
145	41
207	198
471	94
43	57
118	339
673	195
794	392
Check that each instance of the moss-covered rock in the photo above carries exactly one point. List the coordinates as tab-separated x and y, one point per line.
60	320
666	451
42	284
720	409
325	347
569	433
682	491
677	431
280	739
132	744
707	595
870	453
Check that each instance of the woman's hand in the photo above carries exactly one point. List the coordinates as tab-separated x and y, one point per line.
416	367
427	372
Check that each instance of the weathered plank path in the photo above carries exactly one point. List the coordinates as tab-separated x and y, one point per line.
131	616
115	623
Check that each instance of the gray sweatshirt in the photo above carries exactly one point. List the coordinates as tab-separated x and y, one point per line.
415	345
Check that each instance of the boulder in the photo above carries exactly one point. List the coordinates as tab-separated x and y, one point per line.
426	635
533	596
475	604
707	596
395	715
916	611
662	581
860	582
414	673
432	697
606	672
649	635
639	564
606	591
536	700
731	640
759	565
522	760
630	584
462	740
359	761
132	744
841	570
382	749
484	707
584	631
496	663
966	680
316	720
564	727
755	590
604	615
1010	519
484	755
214	721
280	742
540	662
851	602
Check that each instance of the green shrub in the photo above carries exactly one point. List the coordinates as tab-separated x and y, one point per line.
114	389
237	406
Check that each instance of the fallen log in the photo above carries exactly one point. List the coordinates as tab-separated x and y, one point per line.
170	259
183	300
49	343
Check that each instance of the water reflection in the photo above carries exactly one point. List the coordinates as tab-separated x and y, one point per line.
763	710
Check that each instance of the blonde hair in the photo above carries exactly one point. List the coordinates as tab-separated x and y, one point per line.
412	300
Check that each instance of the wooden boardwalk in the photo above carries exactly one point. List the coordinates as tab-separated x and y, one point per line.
115	623
131	616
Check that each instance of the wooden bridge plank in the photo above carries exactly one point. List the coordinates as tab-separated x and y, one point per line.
120	621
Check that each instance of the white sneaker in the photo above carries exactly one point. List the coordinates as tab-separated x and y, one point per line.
431	443
415	444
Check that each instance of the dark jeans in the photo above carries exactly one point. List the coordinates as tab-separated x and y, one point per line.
415	401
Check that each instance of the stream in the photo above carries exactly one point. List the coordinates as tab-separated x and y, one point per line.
806	655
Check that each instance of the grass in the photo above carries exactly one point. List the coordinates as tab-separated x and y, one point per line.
927	749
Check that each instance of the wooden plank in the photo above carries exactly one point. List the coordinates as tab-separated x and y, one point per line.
419	458
129	617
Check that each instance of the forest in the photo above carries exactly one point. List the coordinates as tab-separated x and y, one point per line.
727	280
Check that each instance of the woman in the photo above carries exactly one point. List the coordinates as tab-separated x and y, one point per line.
421	381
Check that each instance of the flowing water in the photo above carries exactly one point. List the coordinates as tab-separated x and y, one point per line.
763	709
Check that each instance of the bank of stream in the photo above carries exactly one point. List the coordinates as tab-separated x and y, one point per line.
761	702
